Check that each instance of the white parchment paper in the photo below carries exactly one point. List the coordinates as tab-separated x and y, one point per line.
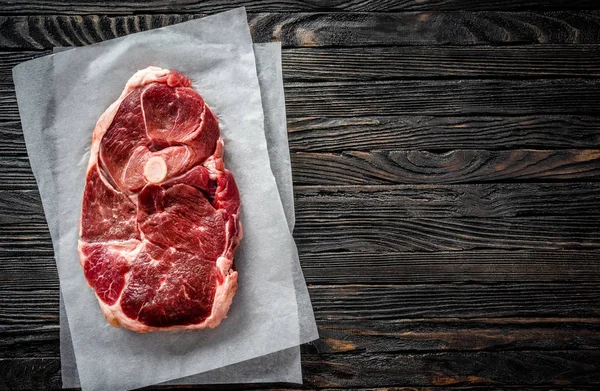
60	98
268	61
285	365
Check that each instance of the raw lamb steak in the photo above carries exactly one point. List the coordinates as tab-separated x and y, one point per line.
159	223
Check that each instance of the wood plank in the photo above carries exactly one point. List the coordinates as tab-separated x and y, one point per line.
37	307
322	134
400	62
32	245
408	219
402	167
492	200
24	271
366	234
9	111
27	272
10	59
369	234
380	167
396	62
327	134
426	28
477	266
424	388
33	239
214	6
324	29
443	97
346	325
31	268
417	335
12	142
395	302
422	97
415	167
382	302
284	387
29	341
363	336
484	368
30	374
429	335
20	206
45	32
15	173
561	368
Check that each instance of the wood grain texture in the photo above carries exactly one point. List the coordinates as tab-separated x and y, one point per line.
443	97
15	173
33	307
461	267
28	374
319	134
430	335
46	32
213	6
367	234
322	134
381	302
422	97
29	341
345	326
398	62
361	336
9	110
446	187
12	142
560	368
25	239
492	200
456	166
324	29
426	28
394	62
17	206
30	270
395	302
379	167
285	387
10	59
445	369
402	167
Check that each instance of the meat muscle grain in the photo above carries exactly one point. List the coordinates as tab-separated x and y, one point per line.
159	222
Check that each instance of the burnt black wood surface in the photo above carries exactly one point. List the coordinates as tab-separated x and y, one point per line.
446	162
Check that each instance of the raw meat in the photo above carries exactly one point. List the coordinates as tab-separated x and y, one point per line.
160	217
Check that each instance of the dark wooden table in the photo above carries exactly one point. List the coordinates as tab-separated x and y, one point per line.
446	157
